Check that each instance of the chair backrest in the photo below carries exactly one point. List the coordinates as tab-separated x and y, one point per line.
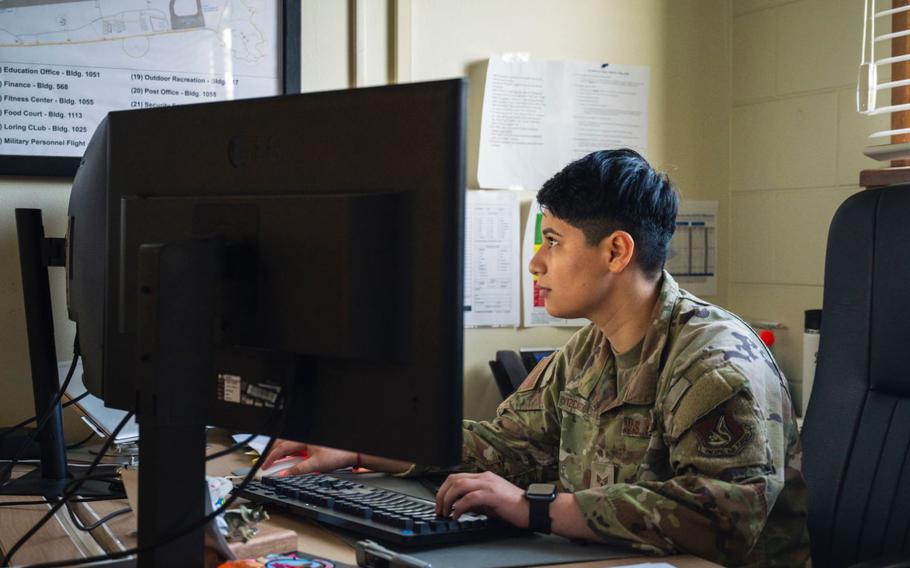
857	429
508	371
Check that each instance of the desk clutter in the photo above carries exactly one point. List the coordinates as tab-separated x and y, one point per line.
275	539
276	546
295	559
267	540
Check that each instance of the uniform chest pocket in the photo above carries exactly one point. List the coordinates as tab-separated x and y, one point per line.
579	430
601	448
625	433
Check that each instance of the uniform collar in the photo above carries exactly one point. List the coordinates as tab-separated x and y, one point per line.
639	386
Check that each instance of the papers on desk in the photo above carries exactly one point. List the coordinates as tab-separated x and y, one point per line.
540	115
101	419
257	444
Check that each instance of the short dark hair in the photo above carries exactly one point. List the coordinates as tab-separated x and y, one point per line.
612	190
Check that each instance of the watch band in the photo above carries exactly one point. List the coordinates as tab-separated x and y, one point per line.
539	519
539	497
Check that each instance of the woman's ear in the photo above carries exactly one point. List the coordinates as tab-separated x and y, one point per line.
616	250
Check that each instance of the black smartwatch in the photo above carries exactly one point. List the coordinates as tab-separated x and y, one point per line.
539	496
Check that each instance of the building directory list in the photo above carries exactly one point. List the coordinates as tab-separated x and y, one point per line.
64	64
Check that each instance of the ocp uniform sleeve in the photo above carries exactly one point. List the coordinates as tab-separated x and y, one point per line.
522	442
725	477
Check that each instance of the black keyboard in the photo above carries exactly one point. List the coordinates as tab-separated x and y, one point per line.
377	513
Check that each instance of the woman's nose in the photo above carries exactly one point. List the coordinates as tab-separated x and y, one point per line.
535	267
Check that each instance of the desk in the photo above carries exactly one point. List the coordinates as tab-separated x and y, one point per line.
53	542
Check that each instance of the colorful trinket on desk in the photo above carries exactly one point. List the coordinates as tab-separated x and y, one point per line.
242	521
292	560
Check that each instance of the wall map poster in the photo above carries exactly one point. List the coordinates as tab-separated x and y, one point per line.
65	63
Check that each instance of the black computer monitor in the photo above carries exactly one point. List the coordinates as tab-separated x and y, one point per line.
342	218
296	257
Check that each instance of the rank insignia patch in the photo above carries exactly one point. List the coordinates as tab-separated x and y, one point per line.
721	435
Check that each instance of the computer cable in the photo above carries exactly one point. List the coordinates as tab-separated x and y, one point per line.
69	491
49	501
209	457
231	449
245	442
70	465
96	477
10	429
202	522
7	472
77	522
73	401
81	442
139	550
57	397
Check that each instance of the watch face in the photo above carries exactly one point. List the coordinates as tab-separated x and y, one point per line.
545	490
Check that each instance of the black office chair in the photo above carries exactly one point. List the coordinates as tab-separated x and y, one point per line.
511	368
508	371
856	437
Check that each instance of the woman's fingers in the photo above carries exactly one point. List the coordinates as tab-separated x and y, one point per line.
281	449
454	488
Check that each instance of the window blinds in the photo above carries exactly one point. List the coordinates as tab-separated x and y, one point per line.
884	70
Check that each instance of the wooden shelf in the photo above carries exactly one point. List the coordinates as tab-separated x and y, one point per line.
884	176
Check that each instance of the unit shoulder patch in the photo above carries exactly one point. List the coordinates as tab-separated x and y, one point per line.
720	434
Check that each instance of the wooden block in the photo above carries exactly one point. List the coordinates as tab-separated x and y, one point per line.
269	540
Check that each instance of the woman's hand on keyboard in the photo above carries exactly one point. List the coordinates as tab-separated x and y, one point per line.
485	493
319	458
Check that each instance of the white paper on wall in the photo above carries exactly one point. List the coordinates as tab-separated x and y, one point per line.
491	259
693	250
540	115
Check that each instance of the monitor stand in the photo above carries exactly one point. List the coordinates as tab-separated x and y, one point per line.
174	341
36	255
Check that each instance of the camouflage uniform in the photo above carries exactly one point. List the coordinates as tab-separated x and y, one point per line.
686	443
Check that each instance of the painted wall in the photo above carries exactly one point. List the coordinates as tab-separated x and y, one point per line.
796	153
684	42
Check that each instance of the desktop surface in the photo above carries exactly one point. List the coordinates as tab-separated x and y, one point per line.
53	542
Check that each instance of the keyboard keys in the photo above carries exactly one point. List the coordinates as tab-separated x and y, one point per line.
370	511
287	491
403	523
421	527
322	501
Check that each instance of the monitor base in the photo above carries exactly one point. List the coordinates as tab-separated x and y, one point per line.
10	444
33	484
